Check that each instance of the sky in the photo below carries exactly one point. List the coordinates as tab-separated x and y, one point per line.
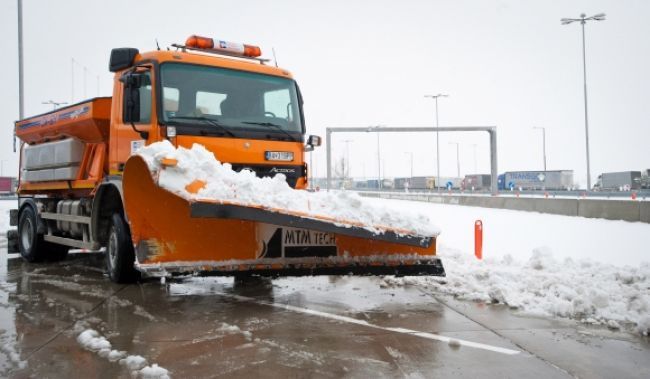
509	64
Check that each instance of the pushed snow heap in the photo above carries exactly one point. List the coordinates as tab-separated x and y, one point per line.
584	290
245	188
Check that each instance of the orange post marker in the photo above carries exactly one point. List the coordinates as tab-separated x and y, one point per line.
478	239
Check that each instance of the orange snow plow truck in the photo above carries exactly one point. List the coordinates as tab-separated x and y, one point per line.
82	186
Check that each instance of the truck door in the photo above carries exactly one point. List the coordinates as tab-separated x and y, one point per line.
126	138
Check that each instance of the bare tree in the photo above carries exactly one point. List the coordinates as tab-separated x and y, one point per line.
341	169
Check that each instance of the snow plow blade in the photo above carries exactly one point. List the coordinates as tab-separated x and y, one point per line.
176	236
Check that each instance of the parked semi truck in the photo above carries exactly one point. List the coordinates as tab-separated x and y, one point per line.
7	185
536	180
477	182
619	181
83	185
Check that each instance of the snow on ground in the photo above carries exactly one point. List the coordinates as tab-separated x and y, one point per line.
224	184
518	233
91	340
592	270
585	290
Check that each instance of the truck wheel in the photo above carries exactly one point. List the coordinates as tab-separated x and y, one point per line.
120	255
30	243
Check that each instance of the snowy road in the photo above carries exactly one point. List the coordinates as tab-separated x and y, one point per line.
351	326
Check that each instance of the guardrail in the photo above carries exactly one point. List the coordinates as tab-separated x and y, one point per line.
626	210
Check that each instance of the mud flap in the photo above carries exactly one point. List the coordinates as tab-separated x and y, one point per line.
12	241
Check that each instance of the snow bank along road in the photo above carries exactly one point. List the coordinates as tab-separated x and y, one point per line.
68	318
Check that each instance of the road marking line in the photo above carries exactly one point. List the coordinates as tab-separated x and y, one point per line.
351	320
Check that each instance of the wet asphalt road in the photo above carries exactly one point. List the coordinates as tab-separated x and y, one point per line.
293	327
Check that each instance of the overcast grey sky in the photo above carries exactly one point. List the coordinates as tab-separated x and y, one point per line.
359	63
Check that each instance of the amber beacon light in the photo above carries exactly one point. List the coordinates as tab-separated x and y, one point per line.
198	42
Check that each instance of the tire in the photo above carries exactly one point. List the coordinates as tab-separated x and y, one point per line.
120	255
31	245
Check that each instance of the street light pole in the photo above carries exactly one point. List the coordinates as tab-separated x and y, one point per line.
457	158
378	164
543	142
21	88
583	20
347	155
435	97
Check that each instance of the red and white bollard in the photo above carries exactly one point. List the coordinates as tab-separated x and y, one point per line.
478	239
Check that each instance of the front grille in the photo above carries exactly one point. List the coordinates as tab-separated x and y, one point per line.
291	172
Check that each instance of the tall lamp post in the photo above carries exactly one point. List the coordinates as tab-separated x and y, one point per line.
370	129
21	88
347	155
583	20
543	142
435	97
378	163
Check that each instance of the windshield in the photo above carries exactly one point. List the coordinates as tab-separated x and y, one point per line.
236	101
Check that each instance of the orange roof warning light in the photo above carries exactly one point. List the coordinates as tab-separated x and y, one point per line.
198	42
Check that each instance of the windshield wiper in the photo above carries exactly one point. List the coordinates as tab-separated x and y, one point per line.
278	127
206	119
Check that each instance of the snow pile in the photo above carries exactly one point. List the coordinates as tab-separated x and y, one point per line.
9	349
588	291
234	329
224	184
154	372
91	340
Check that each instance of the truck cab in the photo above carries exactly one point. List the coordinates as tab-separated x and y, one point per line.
222	96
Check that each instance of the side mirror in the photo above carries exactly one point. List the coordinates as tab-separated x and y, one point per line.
312	142
132	83
122	58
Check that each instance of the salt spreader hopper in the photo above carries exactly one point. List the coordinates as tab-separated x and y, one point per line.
84	185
